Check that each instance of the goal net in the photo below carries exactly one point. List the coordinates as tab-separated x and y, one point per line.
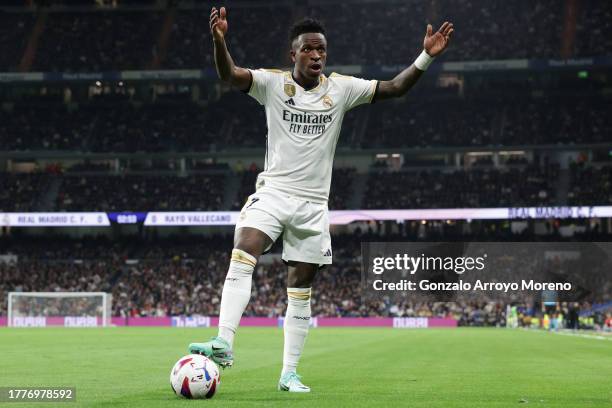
68	309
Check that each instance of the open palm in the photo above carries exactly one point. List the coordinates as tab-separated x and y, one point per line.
435	43
218	23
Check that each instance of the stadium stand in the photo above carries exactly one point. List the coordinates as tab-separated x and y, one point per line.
140	193
341	188
184	276
22	192
590	184
96	39
92	187
188	126
556	121
86	128
475	188
14	32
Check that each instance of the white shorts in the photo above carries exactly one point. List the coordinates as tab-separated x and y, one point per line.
304	224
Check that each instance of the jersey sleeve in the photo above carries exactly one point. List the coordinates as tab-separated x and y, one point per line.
357	91
260	84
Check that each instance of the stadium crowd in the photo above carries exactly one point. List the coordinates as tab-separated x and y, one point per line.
110	127
22	192
556	120
184	276
93	188
14	32
140	193
81	40
590	184
461	188
236	121
97	41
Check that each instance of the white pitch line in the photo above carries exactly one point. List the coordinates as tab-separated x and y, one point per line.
585	336
567	333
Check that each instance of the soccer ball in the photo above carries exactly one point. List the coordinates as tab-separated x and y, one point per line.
194	376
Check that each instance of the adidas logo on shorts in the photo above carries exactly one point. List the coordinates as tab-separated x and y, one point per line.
328	252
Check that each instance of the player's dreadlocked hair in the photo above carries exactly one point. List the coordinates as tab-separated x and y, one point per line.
307	25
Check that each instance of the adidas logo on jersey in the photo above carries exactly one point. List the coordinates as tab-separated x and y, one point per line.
290	102
328	252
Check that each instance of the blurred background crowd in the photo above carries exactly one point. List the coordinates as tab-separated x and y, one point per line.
114	105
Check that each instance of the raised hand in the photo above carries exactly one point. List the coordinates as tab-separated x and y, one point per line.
434	44
218	23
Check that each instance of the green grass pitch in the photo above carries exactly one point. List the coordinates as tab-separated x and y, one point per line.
129	367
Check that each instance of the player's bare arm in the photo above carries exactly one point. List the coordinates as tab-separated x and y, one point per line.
433	45
226	69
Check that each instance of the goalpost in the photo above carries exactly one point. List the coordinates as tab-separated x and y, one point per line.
68	309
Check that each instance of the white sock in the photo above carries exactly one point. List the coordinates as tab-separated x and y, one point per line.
236	293
297	322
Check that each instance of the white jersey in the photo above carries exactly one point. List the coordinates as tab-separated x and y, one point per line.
303	128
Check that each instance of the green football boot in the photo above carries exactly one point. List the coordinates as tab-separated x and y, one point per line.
216	349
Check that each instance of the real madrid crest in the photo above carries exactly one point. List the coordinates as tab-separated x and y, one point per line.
327	101
290	90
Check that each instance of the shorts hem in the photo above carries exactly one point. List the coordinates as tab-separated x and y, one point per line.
319	261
